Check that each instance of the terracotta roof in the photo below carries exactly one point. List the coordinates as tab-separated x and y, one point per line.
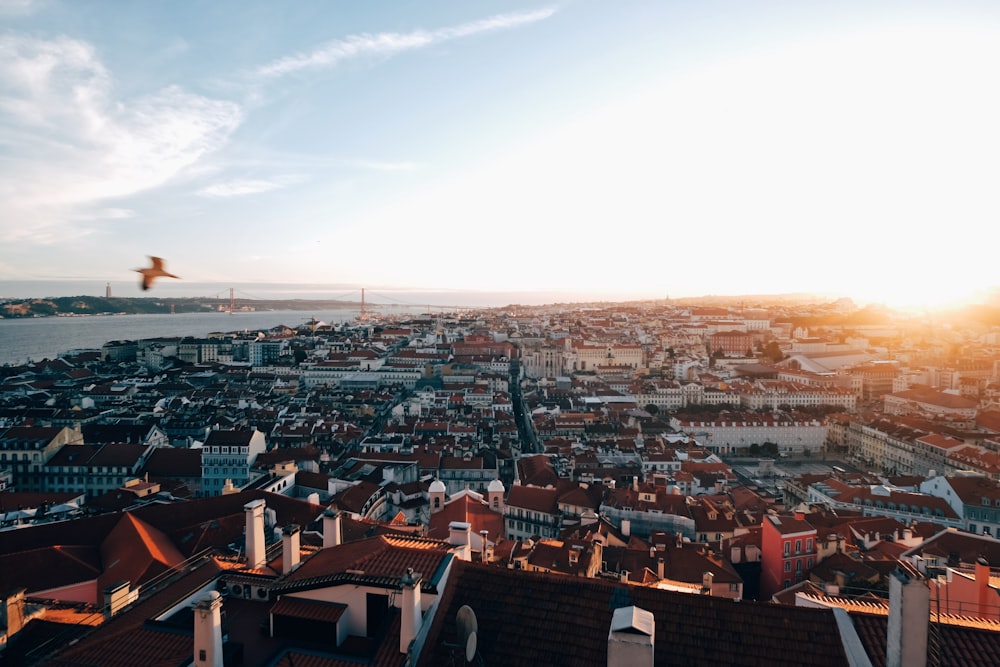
534	498
136	552
46	568
541	619
197	524
469	510
959	646
105	646
385	557
309	610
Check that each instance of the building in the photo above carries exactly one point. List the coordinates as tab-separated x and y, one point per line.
788	552
227	457
25	450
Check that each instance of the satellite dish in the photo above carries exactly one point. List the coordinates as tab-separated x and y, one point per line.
468	626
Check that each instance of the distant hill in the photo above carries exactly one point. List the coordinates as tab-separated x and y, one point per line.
93	305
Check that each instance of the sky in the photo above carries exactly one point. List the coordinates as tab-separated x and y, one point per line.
578	147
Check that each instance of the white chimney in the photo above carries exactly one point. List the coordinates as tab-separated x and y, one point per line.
116	597
290	538
626	527
909	609
483	537
631	638
208	631
460	535
332	529
256	547
409	625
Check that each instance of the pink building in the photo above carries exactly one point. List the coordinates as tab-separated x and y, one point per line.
788	552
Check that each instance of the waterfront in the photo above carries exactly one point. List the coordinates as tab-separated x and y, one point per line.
34	339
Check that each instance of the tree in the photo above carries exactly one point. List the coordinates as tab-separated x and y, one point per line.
652	409
773	352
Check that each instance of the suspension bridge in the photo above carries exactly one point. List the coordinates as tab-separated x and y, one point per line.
234	300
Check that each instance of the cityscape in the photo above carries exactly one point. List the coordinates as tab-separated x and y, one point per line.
572	484
567	334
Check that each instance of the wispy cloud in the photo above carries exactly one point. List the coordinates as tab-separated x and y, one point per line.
389	44
19	7
69	144
240	188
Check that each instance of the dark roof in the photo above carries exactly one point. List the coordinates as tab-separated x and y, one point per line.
958	646
173	462
534	618
114	642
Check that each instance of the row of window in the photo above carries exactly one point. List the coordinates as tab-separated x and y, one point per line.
798	565
798	546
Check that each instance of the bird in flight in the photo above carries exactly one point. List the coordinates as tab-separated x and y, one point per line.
153	272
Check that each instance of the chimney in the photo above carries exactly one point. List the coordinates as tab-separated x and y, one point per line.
659	568
631	638
332	528
12	612
909	609
459	534
290	537
983	586
116	597
483	535
411	615
208	631
256	547
626	527
706	582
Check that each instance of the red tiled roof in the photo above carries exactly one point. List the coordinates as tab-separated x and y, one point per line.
384	556
540	619
468	510
534	498
310	610
47	568
959	646
136	552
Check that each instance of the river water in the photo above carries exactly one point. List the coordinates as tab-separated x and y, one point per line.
37	338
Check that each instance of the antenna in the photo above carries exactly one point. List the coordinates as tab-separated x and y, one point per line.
468	626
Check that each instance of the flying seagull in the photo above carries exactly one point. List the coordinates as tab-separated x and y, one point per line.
153	272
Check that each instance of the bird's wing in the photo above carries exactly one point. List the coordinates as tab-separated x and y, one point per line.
157	263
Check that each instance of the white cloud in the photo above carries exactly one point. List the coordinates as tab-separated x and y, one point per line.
389	44
69	144
239	188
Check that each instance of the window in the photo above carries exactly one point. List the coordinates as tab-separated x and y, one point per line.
788	548
809	544
798	546
788	566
